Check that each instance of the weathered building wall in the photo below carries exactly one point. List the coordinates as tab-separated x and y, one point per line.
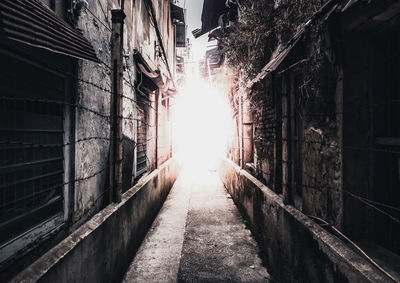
264	133
91	156
87	90
102	248
294	247
323	115
317	112
139	34
297	140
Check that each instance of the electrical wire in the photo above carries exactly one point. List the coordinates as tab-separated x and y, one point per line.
337	231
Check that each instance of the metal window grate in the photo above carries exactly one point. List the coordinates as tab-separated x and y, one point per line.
142	123
31	177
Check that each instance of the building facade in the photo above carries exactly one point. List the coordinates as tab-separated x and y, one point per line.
317	121
86	88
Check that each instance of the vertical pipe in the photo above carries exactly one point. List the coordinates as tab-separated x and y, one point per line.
118	17
156	124
241	132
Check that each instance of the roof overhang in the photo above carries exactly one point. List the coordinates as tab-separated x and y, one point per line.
154	80
362	15
177	13
212	10
31	22
276	60
282	54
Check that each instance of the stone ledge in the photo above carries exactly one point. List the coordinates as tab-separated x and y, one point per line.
101	249
296	248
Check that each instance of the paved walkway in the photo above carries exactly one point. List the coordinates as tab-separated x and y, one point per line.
198	236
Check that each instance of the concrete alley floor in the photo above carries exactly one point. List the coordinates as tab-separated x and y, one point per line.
198	236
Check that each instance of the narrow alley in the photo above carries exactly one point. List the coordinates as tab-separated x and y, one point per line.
198	236
200	141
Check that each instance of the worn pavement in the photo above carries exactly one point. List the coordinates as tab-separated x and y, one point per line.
198	236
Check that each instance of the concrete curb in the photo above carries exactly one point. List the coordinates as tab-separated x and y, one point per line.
102	248
296	248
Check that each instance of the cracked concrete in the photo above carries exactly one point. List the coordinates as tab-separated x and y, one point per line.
198	236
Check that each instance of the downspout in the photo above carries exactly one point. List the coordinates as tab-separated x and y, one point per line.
118	17
156	146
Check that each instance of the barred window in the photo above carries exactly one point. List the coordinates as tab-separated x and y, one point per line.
142	128
31	153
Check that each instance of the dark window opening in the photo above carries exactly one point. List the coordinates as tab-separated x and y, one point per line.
371	137
385	143
31	147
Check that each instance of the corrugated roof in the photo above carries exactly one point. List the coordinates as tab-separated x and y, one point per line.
276	60
33	23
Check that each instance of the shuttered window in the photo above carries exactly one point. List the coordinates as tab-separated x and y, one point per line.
31	148
142	127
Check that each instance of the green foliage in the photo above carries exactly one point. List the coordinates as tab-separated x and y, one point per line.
249	39
263	25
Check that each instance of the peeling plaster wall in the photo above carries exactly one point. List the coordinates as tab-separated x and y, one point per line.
93	92
91	87
92	156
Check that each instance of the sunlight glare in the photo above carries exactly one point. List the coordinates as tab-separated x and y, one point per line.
202	123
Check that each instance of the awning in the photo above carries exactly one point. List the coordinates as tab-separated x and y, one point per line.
152	80
153	76
212	10
34	24
177	13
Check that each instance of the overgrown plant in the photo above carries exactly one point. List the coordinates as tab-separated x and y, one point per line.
263	26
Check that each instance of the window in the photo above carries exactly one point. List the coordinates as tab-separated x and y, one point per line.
385	143
371	136
32	153
142	128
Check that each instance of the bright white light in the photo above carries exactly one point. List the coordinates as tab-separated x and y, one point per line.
202	123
